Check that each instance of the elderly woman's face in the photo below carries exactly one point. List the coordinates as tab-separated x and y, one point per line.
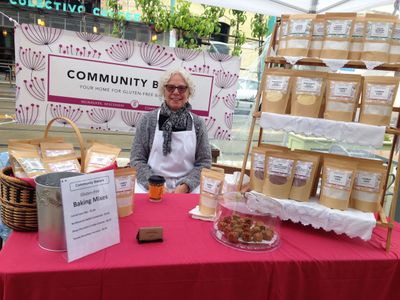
176	92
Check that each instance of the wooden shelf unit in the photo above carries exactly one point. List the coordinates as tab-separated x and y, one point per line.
382	219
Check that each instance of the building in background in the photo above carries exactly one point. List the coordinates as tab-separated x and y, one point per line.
74	15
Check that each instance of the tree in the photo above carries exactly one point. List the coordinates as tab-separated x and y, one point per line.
239	36
259	29
155	14
118	19
190	27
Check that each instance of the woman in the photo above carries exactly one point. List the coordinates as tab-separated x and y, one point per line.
171	141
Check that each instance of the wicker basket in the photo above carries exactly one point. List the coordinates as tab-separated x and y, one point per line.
15	190
19	218
18	198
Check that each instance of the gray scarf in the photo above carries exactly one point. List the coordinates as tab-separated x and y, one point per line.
179	119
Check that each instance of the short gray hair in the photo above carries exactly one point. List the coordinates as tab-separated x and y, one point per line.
171	72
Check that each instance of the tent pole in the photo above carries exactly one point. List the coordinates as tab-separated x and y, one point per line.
313	7
396	5
285	4
333	6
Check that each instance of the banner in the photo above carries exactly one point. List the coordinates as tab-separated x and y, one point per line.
106	83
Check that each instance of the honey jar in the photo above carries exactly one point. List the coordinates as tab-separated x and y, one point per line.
156	187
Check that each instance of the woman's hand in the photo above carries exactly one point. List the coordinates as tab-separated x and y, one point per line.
181	189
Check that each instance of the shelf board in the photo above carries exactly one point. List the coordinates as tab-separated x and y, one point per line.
389	130
319	63
392	130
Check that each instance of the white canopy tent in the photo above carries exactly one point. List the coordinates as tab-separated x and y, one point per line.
279	7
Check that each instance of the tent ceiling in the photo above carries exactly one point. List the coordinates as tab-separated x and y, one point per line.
279	7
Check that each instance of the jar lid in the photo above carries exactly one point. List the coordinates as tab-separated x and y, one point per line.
156	179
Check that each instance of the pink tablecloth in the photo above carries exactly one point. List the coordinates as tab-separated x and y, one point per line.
190	264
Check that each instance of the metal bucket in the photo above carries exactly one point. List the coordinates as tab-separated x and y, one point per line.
50	210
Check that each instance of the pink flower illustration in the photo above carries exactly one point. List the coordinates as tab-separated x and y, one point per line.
100	128
230	101
224	79
220	57
57	110
155	55
221	134
122	51
32	60
101	115
18	68
77	51
210	121
186	54
215	101
205	69
131	118
37	88
40	35
89	37
228	117
17	91
27	115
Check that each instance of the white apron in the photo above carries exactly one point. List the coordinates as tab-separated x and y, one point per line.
179	162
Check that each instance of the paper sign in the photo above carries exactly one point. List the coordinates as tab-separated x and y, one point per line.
90	213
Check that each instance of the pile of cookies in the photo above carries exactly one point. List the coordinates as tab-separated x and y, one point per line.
236	229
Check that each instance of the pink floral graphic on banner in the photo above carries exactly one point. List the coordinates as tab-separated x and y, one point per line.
199	69
186	54
220	57
100	128
37	88
122	51
57	110
155	55
28	114
225	80
210	121
39	35
215	101
76	51
230	101
228	120
17	91
89	37
221	134
131	118
101	115
18	68
32	60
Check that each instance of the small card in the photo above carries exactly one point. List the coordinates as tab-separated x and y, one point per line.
150	234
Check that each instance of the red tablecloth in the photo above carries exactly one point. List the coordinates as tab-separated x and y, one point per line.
190	264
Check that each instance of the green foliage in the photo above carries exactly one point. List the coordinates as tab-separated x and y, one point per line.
184	23
259	28
189	26
155	14
118	19
239	36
